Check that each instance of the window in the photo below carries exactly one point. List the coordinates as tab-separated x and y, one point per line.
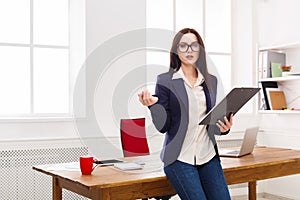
211	18
217	36
34	64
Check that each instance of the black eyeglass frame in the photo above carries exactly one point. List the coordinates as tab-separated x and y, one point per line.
189	46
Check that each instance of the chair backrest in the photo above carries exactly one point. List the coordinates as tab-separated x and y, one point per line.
133	137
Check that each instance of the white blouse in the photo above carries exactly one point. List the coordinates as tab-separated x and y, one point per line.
197	148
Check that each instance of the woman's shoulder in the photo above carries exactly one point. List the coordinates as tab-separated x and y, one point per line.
212	77
165	76
164	79
212	81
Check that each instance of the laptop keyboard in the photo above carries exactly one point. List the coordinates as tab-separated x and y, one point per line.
233	152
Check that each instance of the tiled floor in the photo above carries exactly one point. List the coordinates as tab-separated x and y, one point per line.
260	197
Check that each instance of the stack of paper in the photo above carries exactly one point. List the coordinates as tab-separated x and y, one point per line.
128	166
72	166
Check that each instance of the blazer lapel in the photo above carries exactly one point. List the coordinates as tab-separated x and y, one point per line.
180	91
207	97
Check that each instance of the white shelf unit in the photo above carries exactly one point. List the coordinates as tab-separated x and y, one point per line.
290	84
288	112
292	57
281	79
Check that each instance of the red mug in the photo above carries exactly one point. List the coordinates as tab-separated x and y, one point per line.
86	164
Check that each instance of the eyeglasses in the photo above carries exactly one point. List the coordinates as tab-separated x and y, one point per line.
183	47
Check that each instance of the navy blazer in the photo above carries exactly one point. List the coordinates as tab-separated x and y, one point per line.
170	114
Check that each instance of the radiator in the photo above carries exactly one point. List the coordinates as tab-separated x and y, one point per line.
20	181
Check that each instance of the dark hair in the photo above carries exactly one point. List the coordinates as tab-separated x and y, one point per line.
175	62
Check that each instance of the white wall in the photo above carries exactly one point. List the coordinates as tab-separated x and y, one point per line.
243	55
112	47
106	21
277	24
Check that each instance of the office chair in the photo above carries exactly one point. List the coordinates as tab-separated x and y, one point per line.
133	137
134	141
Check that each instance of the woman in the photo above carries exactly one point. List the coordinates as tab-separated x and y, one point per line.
183	96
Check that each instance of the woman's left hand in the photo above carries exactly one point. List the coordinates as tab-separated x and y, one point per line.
226	125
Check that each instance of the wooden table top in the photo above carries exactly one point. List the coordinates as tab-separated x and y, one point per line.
104	177
260	156
263	163
109	176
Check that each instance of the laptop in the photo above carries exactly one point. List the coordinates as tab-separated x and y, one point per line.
247	147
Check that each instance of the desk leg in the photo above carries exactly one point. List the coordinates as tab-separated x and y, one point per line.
56	189
252	190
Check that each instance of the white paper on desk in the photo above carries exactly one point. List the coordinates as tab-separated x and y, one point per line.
72	166
128	166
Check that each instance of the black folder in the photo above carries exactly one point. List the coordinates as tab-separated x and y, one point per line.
265	85
232	103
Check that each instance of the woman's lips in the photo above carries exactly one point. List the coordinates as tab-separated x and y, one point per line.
189	57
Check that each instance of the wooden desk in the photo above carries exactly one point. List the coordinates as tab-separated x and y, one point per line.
109	183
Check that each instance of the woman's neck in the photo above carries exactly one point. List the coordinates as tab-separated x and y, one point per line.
189	71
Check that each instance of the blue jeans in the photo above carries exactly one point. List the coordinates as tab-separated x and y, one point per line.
198	182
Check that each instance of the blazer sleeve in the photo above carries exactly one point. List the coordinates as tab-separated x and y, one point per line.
160	111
